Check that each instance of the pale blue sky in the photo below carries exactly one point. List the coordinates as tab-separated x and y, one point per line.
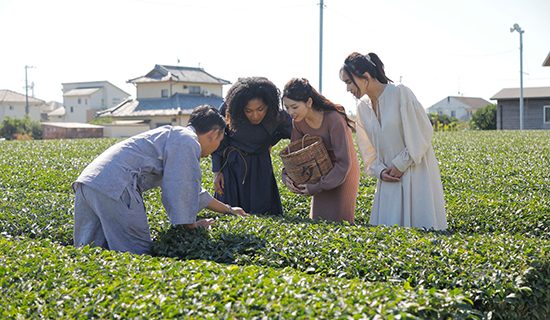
437	48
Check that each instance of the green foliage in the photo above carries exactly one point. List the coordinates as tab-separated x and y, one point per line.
101	120
485	118
442	122
493	262
45	279
15	128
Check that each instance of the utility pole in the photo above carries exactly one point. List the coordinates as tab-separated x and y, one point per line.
517	28
321	6
27	91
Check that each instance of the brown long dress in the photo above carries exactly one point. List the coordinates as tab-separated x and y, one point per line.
334	196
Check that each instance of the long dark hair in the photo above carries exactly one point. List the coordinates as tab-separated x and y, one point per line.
246	89
299	89
357	64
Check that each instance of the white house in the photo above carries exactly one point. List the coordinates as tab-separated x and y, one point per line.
168	94
13	105
461	108
83	99
165	81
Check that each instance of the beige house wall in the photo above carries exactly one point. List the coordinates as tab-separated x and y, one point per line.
17	110
154	89
123	131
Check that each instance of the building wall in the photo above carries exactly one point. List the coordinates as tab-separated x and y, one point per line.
112	96
75	111
533	114
107	96
448	106
17	110
158	121
154	89
180	120
55	132
124	131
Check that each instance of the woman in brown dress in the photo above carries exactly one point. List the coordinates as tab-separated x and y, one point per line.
335	194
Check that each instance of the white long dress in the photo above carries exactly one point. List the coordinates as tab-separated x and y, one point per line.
403	138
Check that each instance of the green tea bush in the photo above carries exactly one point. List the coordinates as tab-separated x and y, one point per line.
493	262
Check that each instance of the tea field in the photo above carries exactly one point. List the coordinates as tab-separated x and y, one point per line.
492	263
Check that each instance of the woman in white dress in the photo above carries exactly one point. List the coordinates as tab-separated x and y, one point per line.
394	135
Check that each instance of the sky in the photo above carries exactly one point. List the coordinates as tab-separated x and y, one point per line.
438	48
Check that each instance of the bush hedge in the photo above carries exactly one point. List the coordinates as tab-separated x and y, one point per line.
493	262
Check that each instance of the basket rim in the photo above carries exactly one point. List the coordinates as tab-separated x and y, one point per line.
318	141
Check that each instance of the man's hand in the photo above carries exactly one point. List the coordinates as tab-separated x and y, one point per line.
238	211
204	223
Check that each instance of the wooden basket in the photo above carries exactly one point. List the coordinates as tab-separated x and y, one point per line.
306	160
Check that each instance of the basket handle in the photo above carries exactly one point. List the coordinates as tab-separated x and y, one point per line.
304	139
303	142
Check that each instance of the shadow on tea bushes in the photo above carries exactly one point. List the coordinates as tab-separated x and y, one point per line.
200	244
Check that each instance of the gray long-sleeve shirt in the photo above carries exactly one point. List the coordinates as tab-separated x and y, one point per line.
167	156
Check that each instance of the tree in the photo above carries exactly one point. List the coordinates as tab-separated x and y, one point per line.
485	118
442	122
13	128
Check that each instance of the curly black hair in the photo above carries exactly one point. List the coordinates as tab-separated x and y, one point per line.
246	89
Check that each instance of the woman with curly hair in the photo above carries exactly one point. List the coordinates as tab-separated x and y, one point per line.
242	164
334	196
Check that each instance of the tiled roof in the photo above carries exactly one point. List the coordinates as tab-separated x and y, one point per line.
92	84
514	93
546	62
176	73
12	96
59	112
475	103
50	106
177	104
80	92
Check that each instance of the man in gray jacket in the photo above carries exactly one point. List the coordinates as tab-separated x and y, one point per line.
109	209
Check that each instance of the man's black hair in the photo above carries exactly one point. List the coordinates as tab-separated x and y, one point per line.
205	118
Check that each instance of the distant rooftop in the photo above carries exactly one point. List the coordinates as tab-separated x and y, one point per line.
90	85
12	96
71	125
80	92
473	102
546	62
178	103
514	93
162	73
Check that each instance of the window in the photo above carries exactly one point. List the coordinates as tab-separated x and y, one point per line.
72	109
194	89
11	107
546	114
164	93
79	100
453	113
86	101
